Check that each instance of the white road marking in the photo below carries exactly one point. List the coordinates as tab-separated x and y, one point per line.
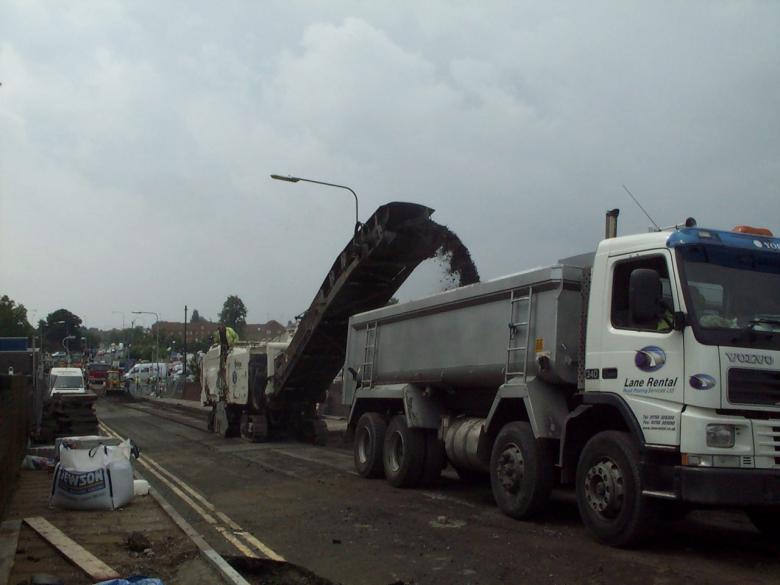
230	534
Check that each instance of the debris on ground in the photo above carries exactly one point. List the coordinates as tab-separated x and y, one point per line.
65	416
137	542
37	462
137	580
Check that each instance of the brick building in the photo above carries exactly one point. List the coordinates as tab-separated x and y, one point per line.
200	331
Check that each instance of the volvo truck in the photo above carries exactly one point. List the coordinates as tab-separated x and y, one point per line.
647	374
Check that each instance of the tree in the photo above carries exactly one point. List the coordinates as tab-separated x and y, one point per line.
13	319
59	324
233	313
195	316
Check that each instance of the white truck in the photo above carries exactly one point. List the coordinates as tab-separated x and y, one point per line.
647	374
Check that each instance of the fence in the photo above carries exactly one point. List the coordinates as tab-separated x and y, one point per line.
167	388
16	415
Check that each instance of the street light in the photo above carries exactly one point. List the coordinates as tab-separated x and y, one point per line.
157	342
123	317
67	345
124	333
290	179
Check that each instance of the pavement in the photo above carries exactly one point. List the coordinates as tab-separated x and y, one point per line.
172	556
307	505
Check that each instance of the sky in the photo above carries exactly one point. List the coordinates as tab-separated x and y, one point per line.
137	138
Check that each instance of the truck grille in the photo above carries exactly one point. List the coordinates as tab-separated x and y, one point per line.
767	439
754	387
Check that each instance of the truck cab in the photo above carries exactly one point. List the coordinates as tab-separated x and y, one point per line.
683	338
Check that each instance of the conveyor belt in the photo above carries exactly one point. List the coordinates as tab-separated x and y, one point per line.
370	269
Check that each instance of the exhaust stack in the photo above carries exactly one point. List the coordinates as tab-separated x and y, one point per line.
610	230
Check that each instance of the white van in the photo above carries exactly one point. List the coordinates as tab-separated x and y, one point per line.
66	381
144	372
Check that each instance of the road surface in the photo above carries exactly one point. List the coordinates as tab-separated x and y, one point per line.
306	504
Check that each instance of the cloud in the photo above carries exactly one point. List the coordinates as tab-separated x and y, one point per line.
137	139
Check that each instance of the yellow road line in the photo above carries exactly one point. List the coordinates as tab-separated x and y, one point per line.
158	470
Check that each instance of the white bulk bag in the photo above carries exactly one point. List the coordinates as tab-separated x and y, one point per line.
100	478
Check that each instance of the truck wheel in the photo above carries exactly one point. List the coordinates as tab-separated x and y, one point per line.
369	441
435	457
766	520
521	471
404	453
609	490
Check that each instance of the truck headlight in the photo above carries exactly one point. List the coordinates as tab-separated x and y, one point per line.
692	460
720	436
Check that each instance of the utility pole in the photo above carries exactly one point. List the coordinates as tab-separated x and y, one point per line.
185	342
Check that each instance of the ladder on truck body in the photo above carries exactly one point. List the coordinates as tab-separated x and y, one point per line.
369	355
515	327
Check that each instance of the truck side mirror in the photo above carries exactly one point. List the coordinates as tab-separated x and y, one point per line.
644	296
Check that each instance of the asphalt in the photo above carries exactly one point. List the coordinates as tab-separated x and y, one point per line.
307	504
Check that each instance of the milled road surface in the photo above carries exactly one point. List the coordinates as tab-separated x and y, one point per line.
307	504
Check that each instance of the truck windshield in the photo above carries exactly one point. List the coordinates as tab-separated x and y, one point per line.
732	295
67	382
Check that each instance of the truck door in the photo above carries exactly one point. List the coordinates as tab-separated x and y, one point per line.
643	362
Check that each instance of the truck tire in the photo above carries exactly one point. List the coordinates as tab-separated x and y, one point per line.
521	471
435	458
403	453
609	490
766	520
368	445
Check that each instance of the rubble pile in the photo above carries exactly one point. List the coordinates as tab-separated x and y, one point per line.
67	416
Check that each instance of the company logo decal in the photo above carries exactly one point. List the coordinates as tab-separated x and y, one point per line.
650	358
750	358
82	483
701	382
764	245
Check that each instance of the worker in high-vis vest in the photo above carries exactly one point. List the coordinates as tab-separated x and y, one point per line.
230	335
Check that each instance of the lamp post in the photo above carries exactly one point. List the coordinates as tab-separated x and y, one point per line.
124	339
157	342
67	345
290	179
123	317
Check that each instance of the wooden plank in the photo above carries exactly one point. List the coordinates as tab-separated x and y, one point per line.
9	538
75	553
